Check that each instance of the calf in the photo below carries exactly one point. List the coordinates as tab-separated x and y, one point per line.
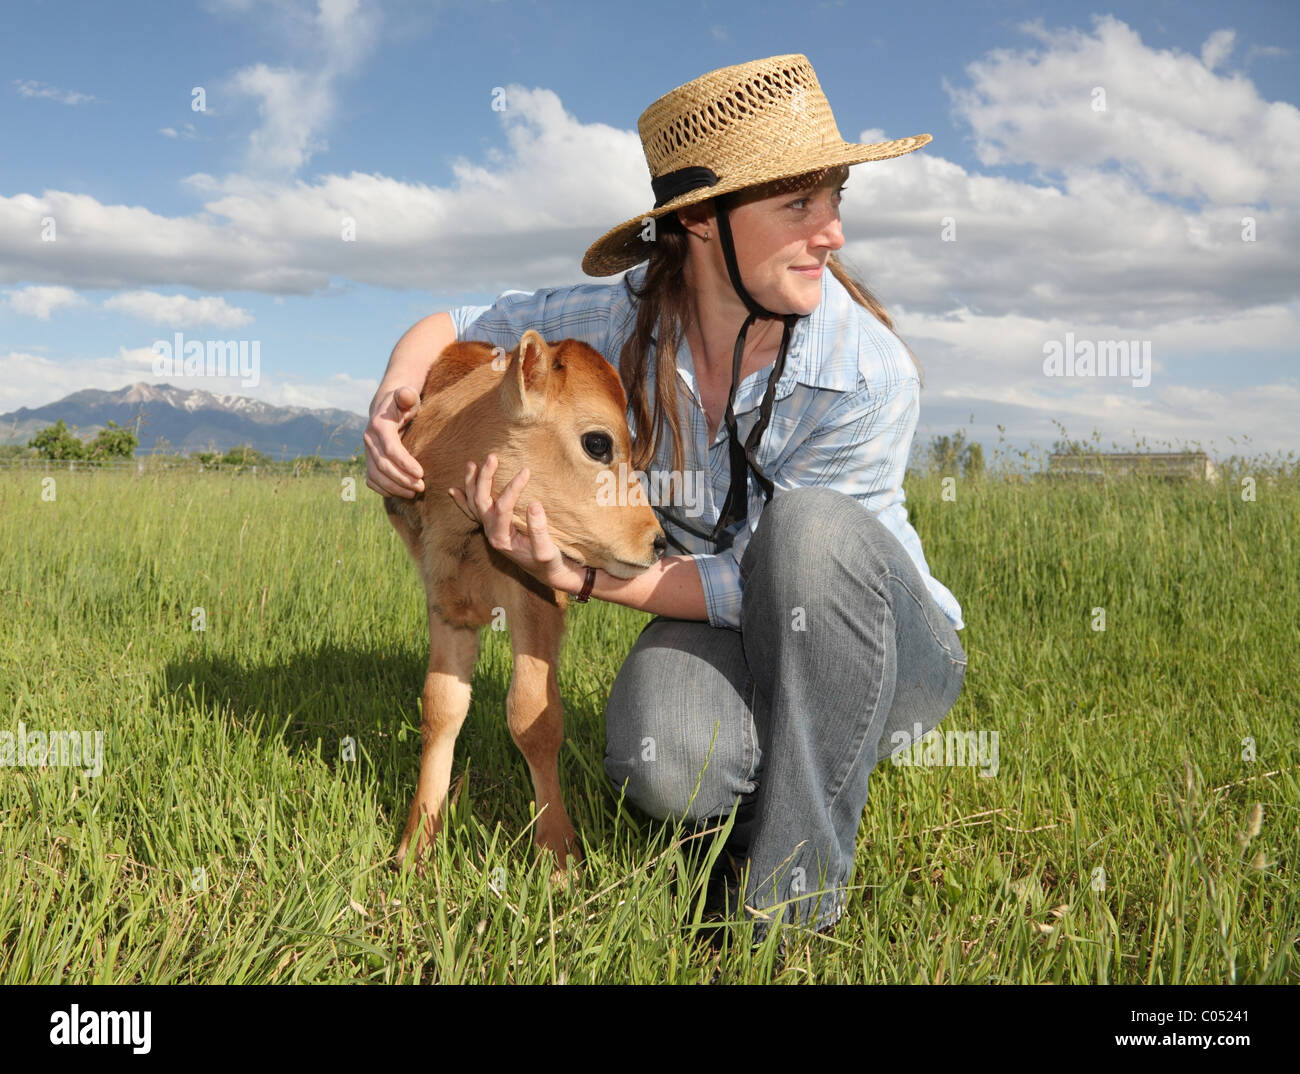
560	409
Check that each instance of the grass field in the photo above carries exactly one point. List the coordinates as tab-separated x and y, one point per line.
228	839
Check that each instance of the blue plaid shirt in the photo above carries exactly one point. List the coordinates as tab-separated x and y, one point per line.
844	414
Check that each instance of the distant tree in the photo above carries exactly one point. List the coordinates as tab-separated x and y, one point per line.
206	458
952	455
945	453
113	442
57	441
243	455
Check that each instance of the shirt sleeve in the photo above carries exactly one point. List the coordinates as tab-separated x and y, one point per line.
861	449
580	312
720	576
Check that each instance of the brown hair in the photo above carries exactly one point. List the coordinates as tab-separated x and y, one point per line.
663	314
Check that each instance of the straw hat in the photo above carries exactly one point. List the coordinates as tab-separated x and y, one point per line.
733	128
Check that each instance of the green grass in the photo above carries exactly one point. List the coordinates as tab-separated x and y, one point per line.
227	841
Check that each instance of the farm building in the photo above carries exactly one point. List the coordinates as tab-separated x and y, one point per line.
1171	465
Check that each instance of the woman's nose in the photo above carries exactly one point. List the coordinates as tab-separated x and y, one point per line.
831	233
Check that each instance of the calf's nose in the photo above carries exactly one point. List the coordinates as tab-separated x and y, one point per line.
661	545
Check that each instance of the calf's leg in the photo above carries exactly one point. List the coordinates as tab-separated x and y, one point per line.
535	714
445	702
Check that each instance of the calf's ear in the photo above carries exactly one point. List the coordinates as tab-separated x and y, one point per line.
524	393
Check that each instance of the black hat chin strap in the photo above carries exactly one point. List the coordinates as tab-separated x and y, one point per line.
743	457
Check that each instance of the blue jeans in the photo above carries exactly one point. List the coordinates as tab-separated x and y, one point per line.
840	646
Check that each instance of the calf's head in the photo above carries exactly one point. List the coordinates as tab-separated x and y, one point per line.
564	412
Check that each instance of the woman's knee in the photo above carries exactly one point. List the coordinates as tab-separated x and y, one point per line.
673	758
810	533
674	779
813	546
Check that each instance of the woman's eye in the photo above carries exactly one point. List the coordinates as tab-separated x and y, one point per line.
800	203
599	446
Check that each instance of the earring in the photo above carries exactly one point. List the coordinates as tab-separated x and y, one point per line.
706	236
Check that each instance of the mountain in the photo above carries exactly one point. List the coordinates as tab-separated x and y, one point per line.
192	420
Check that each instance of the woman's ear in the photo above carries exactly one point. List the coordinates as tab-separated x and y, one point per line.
699	219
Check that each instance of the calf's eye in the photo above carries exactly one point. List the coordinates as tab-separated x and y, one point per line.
599	446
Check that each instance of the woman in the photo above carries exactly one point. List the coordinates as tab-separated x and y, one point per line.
799	633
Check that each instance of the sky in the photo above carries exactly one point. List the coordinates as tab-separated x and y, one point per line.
317	175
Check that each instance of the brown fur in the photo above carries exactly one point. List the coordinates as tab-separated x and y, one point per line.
531	408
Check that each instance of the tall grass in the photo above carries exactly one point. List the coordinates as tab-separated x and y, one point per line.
1126	837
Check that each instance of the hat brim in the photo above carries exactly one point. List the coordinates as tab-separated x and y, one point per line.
622	247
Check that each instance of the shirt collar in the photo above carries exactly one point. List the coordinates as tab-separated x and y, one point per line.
827	341
823	349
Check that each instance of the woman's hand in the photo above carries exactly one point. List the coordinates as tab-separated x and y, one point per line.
391	470
534	550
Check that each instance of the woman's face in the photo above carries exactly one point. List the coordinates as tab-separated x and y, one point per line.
782	242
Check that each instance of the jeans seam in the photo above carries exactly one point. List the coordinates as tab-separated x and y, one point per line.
866	726
889	573
751	734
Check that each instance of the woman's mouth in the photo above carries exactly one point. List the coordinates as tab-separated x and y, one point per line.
810	272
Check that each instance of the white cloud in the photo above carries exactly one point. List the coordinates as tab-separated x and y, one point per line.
1271	51
32	380
123	246
1092	243
1170	120
993	366
1012	343
1095	247
41	91
339	391
297	102
514	223
42	301
1173	418
1217	47
293	107
179	309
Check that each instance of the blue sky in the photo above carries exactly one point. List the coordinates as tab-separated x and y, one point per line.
225	223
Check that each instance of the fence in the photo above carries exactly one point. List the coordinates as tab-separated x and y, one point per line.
147	464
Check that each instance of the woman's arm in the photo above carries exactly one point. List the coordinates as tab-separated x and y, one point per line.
672	587
391	470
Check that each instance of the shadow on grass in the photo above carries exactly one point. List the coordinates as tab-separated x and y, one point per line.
316	699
